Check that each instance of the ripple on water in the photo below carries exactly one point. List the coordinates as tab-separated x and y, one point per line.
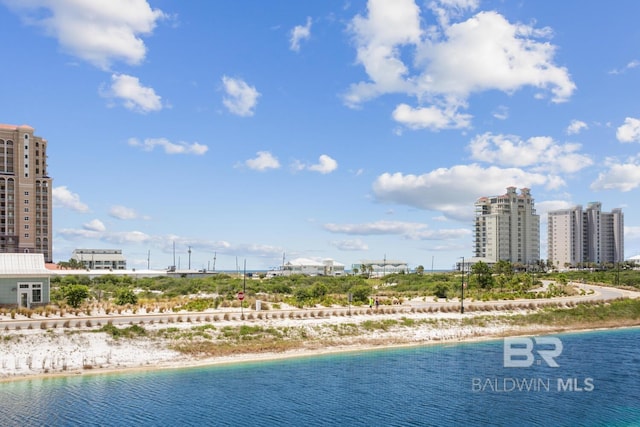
429	385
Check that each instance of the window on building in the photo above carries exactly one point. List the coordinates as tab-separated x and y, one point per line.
36	292
26	235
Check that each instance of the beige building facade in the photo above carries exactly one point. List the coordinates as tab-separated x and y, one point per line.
577	236
25	193
100	259
507	228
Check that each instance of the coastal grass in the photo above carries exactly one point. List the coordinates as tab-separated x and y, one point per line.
246	339
621	312
223	339
132	331
214	349
230	340
384	324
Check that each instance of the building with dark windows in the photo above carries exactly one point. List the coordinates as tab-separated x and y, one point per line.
100	259
578	236
507	228
25	193
24	280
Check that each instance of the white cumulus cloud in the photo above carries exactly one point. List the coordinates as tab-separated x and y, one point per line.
241	99
299	33
629	131
169	147
264	161
576	126
430	117
453	191
123	212
619	176
99	32
443	65
630	66
379	227
133	95
63	197
487	52
94	225
539	153
409	230
325	165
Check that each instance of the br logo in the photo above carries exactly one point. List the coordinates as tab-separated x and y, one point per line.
519	351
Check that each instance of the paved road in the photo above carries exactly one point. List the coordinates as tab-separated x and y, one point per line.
591	293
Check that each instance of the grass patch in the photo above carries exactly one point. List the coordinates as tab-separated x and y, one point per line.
405	321
128	332
623	311
214	349
345	329
372	325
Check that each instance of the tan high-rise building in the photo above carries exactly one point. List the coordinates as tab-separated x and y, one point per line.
577	236
25	193
507	228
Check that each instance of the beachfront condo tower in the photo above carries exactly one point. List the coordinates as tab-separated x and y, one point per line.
507	228
578	238
25	193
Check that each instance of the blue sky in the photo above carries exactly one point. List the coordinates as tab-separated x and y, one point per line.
349	130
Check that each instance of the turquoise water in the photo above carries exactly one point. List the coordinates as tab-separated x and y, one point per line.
597	383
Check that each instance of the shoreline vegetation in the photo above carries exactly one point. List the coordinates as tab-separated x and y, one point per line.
86	345
114	323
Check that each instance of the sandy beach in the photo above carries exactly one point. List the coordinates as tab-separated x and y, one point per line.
76	350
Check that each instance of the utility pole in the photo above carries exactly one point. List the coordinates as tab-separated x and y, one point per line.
462	288
384	265
174	255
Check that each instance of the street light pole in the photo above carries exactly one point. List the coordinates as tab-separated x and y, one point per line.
462	287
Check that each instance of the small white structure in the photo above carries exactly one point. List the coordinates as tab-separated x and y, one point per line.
310	267
381	267
100	259
24	280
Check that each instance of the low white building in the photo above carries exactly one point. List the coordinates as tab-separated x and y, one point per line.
381	267
24	280
100	259
310	267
